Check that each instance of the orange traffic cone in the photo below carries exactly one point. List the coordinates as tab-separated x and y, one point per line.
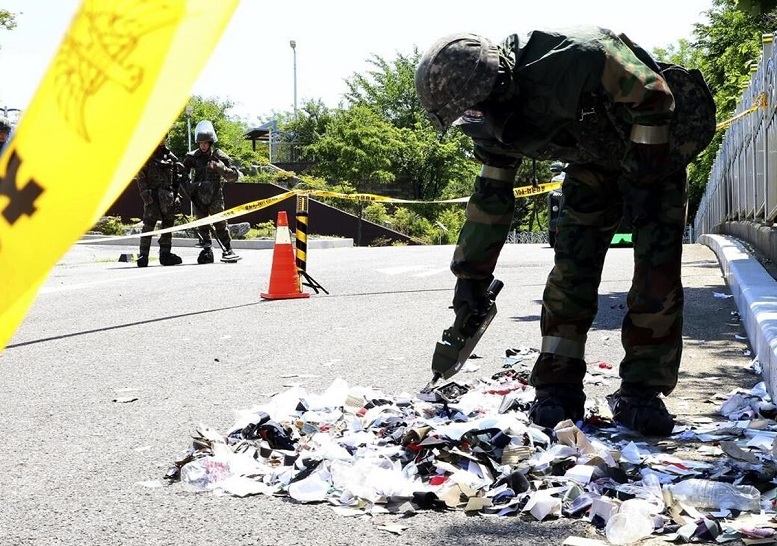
284	277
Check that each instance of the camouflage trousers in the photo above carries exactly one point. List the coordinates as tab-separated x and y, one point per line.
651	332
202	210
153	213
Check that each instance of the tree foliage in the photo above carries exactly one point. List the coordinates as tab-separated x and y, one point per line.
7	20
725	49
358	147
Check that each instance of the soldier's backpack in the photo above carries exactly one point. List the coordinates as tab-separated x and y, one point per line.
693	123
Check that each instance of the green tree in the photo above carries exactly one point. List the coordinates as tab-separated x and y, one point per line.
389	89
756	7
306	127
683	53
729	44
7	19
725	49
358	147
427	162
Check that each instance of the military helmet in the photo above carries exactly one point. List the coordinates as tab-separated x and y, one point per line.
204	132
456	72
5	124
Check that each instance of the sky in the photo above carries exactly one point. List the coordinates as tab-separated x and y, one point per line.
254	65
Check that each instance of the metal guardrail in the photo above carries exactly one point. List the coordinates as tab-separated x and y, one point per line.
527	237
743	181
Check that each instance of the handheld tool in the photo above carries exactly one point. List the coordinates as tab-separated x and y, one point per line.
459	340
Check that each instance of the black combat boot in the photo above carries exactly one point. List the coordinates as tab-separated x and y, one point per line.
142	260
206	256
642	410
555	403
168	258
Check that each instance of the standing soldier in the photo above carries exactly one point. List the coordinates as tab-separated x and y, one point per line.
158	184
210	165
627	127
5	131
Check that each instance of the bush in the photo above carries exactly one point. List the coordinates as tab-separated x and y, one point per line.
265	230
109	225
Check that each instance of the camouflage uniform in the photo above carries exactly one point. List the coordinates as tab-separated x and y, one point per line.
205	189
157	181
5	131
575	96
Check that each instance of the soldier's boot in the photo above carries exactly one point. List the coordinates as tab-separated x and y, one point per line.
142	260
229	256
168	258
555	403
206	256
641	410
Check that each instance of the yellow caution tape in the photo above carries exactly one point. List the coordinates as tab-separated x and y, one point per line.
761	102
230	213
372	197
525	191
240	210
118	80
522	191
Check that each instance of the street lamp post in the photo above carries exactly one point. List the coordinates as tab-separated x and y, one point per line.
189	109
293	45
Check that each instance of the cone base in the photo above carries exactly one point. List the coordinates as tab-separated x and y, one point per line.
285	296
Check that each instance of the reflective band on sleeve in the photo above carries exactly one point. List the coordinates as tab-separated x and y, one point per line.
495	173
649	134
563	347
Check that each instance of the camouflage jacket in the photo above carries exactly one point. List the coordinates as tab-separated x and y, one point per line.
159	171
205	182
574	96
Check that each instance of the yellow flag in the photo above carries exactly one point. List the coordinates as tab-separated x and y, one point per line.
121	76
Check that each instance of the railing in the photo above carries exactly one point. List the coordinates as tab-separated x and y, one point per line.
527	237
743	181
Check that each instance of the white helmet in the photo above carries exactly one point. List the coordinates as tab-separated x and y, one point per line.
204	132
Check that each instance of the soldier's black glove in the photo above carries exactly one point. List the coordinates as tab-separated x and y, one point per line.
641	203
472	294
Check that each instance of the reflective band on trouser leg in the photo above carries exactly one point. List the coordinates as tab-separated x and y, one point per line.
563	347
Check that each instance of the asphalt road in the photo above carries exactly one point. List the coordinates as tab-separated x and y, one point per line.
193	344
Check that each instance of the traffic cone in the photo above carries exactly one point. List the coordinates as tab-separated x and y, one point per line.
284	277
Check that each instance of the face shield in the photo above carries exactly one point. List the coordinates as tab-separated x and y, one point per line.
204	132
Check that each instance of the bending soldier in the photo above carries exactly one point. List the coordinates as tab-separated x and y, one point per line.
158	184
627	127
210	165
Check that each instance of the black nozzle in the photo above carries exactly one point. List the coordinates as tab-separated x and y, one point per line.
494	288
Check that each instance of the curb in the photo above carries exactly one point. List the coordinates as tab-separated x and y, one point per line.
755	293
240	244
